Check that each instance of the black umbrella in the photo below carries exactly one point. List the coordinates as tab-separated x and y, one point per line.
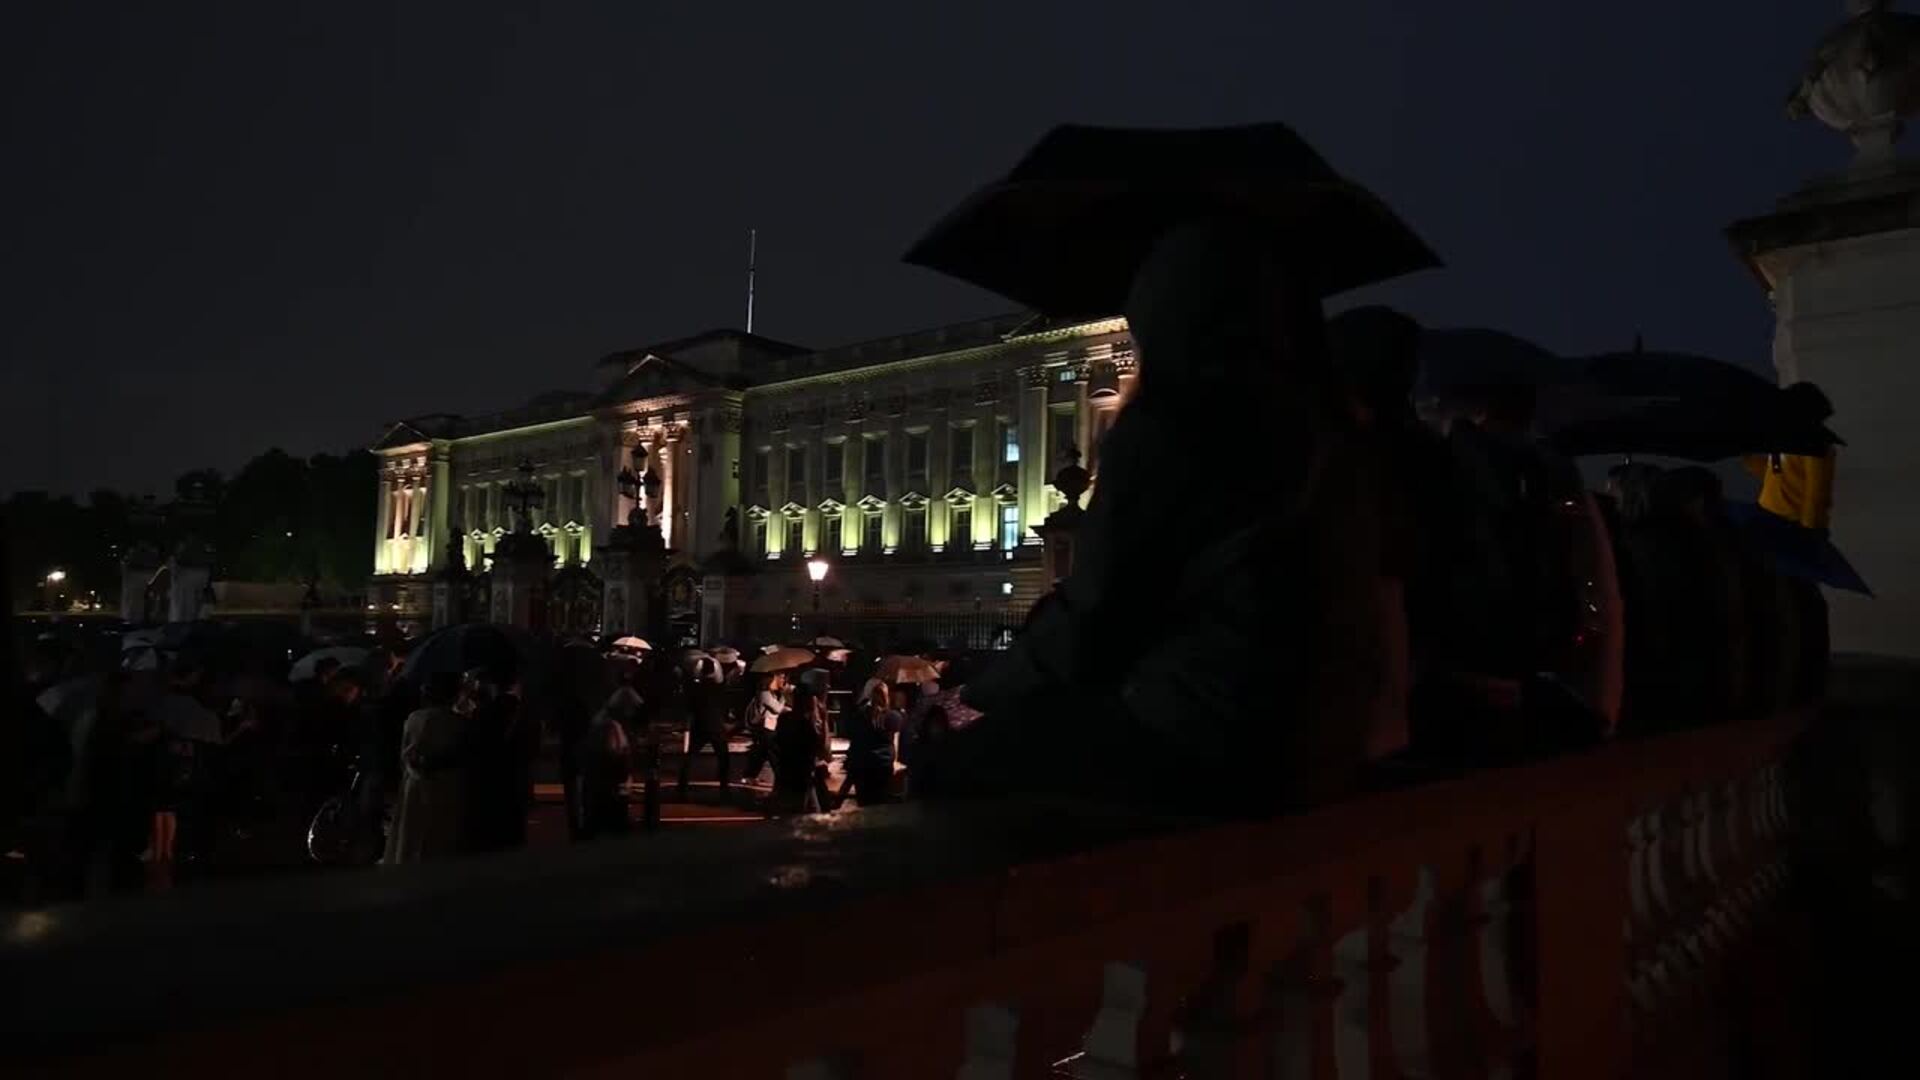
1686	406
506	652
1064	232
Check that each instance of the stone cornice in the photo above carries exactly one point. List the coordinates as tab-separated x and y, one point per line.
1804	220
1004	347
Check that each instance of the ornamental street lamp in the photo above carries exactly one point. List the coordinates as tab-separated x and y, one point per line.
817	571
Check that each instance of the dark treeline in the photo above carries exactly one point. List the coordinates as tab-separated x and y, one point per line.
279	518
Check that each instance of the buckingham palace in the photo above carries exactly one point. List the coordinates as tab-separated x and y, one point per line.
916	468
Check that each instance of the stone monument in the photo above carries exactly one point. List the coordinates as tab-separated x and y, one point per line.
137	569
1058	533
1840	260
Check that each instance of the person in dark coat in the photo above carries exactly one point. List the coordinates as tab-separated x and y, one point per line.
1170	659
870	737
706	698
499	745
801	752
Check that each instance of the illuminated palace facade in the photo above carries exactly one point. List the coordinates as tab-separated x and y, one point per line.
917	466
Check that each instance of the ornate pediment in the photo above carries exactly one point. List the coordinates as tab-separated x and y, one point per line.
758	513
1006	493
959	497
831	507
872	504
913	500
793	510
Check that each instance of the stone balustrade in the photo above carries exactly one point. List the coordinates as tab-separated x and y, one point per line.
1600	915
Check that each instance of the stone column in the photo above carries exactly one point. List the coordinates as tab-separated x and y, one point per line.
383	521
438	512
893	518
1033	449
666	454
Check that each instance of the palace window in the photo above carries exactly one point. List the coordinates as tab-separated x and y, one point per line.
914	529
870	543
876	465
1009	442
1009	527
757	538
960	532
796	468
796	536
830	534
917	454
1064	424
836	462
962	450
762	468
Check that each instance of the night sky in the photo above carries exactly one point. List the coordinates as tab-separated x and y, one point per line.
252	224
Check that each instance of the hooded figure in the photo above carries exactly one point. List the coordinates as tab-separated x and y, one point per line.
1175	646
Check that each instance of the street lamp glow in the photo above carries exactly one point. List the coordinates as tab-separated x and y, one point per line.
55	577
817	570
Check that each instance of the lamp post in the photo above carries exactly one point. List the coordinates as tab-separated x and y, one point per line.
54	579
817	571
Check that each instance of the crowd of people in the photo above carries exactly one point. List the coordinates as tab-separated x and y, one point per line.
1381	586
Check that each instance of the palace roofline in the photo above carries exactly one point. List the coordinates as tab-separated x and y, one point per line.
783	365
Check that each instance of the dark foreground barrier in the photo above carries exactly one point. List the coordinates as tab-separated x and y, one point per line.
1601	915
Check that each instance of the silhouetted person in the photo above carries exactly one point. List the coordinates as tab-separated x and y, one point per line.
706	699
1174	660
431	819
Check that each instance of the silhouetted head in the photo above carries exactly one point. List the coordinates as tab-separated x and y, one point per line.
1214	304
442	688
1377	351
1691	493
1631	484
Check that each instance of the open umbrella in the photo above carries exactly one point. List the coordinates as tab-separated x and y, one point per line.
348	656
726	654
906	669
783	658
1687	406
1065	230
631	644
507	652
825	642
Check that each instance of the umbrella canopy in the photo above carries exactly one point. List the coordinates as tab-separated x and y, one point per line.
726	654
631	644
506	652
184	718
825	642
348	656
906	669
1807	554
1686	406
783	658
1065	230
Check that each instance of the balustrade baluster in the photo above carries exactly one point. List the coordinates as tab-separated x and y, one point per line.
1210	1031
1304	991
991	1043
1410	940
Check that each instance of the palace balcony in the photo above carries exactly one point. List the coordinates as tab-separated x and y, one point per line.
1613	913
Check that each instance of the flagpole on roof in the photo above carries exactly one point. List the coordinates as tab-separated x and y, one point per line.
753	236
